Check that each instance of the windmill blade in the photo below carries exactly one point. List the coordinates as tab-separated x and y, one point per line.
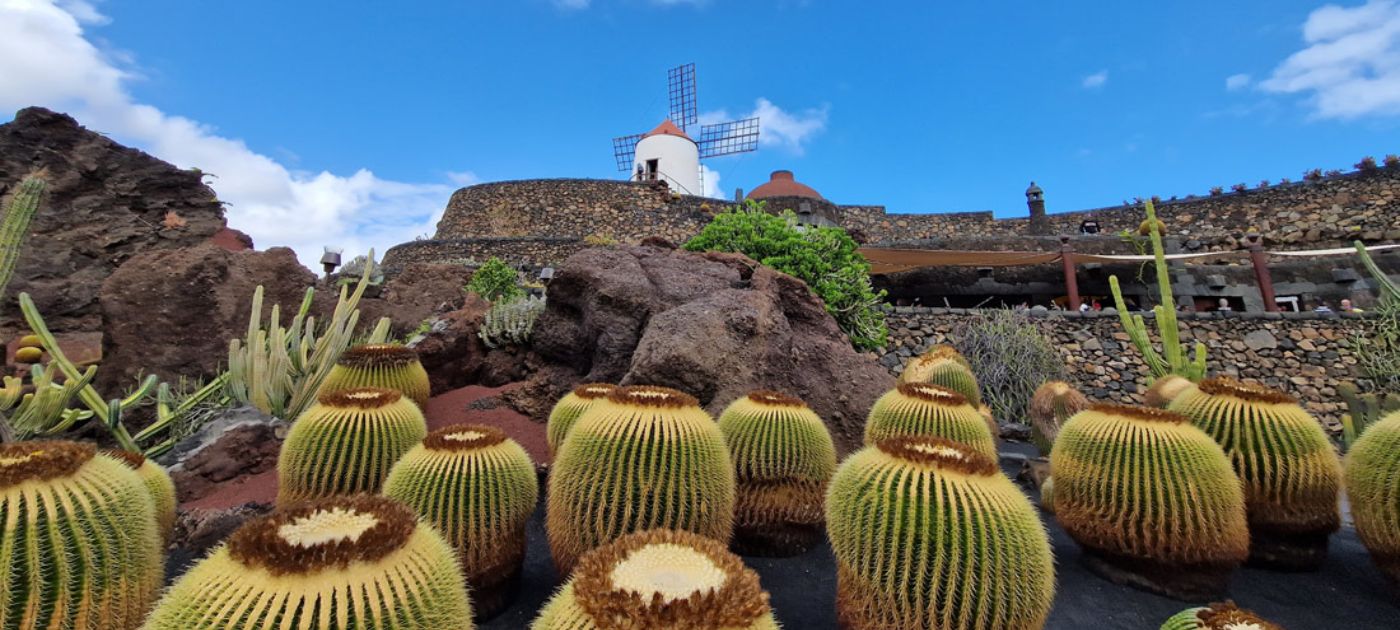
681	81
625	150
726	138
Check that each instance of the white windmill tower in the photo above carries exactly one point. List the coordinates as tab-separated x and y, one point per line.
669	154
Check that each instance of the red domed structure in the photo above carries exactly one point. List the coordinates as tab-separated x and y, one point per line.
781	184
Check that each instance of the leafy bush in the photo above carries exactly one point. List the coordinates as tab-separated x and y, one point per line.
1367	163
1010	357
495	281
1392	161
599	240
1216	191
823	257
510	323
1312	175
1240	187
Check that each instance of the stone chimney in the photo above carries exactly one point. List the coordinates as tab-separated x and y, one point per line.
1035	200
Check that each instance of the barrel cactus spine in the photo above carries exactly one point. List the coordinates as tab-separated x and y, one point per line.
1220	616
1151	499
346	443
478	488
927	533
645	458
157	482
944	366
1291	473
386	365
345	562
79	547
1051	406
659	579
566	412
1372	468
783	458
925	409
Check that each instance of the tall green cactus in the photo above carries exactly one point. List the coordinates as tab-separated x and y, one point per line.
1173	358
1378	353
46	410
15	224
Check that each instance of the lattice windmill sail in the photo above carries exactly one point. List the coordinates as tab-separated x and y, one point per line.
668	153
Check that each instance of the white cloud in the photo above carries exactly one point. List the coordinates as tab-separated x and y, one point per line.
1351	64
776	126
1095	80
711	182
46	60
1237	82
463	178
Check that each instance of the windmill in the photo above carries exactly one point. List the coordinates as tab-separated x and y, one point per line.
669	154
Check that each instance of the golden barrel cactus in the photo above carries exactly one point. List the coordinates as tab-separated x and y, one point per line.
386	365
783	457
1165	389
1152	500
359	562
924	409
478	488
1051	406
1222	616
567	411
346	443
1291	473
157	482
79	544
928	533
645	458
1373	485
659	579
944	366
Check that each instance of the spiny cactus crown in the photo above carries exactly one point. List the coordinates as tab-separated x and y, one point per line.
464	437
377	355
41	460
362	397
652	396
322	534
594	391
932	393
1228	616
776	399
939	453
1251	392
1146	414
133	460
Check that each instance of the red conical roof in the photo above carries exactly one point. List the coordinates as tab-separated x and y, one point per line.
781	184
668	128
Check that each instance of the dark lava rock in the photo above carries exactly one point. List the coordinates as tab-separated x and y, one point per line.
716	326
451	351
416	293
246	446
105	203
198	530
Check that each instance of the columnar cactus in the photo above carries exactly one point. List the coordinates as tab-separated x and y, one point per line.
1165	389
928	533
79	546
346	443
1291	473
14	223
645	458
659	579
567	411
1051	406
783	457
1149	495
1223	616
157	482
923	409
387	365
1373	485
478	488
346	562
944	366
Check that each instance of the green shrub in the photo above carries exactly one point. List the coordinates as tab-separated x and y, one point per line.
1010	357
823	257
495	280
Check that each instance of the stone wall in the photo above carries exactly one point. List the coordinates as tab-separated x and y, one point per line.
534	252
1304	354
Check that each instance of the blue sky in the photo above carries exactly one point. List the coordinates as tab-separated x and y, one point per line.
350	123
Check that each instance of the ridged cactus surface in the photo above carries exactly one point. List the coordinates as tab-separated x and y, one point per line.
1051	406
79	546
931	410
157	482
928	533
1373	486
1165	389
386	365
1144	484
646	458
346	443
783	457
944	366
360	562
659	579
567	411
1222	616
478	488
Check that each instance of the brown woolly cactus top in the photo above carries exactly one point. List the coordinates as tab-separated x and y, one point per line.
362	397
652	396
330	533
132	460
1147	414
377	355
1228	616
942	352
41	461
668	579
594	391
776	399
932	393
463	437
1252	392
938	452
